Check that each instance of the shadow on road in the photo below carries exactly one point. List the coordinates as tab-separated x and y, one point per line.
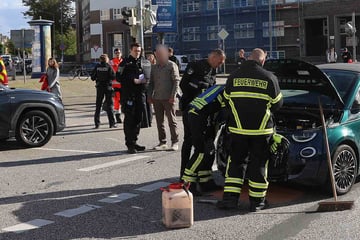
128	219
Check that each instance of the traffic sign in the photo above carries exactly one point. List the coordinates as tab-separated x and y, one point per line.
62	47
223	34
96	47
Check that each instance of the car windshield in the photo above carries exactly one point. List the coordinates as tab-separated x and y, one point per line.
343	81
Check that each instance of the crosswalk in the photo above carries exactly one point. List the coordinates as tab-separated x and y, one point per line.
85	208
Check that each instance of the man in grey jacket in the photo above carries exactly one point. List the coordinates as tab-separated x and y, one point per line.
163	86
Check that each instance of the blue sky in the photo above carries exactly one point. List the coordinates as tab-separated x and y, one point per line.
11	16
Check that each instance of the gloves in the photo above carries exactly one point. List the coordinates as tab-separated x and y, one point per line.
276	140
203	84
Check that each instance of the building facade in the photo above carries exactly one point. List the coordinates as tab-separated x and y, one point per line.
300	28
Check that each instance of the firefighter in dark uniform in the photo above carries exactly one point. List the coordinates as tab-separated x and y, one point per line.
202	115
103	74
133	99
198	76
252	95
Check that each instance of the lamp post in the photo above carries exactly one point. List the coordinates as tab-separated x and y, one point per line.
23	45
270	29
62	31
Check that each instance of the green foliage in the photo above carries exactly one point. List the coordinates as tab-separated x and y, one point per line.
10	47
50	10
69	41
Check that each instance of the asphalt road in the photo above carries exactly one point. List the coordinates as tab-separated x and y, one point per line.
83	185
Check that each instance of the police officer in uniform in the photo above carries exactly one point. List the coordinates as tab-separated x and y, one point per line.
133	98
103	74
198	76
252	95
204	110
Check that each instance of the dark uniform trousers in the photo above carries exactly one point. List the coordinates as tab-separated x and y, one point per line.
132	108
101	92
187	143
198	168
248	154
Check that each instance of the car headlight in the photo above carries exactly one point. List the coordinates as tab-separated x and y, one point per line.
303	137
308	152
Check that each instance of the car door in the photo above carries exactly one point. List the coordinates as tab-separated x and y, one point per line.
5	112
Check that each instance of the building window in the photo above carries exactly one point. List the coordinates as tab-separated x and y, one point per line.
212	4
243	3
104	15
277	26
170	39
212	32
117	13
343	22
191	34
244	30
193	57
266	2
191	5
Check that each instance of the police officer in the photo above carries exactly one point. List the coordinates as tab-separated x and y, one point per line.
197	78
252	95
103	74
202	119
3	73
133	98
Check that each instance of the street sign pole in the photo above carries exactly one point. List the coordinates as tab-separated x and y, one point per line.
223	34
354	38
225	60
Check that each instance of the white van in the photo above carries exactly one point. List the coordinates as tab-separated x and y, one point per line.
183	61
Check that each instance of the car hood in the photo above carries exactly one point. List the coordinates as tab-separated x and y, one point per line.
299	75
28	91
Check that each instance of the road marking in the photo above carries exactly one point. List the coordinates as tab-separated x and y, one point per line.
113	163
69	213
118	197
67	150
152	187
33	224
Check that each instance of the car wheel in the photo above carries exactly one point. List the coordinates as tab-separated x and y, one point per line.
34	129
345	168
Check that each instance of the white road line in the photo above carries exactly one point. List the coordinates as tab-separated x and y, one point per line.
77	211
33	224
113	163
67	150
118	197
152	187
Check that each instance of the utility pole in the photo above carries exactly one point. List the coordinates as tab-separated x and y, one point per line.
62	32
270	29
354	37
140	13
23	45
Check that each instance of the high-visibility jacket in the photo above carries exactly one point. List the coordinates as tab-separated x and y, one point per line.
208	102
252	95
115	63
3	74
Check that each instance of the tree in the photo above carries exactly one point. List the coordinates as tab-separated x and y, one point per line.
50	10
9	45
69	41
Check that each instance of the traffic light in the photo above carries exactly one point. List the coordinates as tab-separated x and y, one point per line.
129	16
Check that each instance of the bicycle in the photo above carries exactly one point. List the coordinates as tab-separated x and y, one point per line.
79	72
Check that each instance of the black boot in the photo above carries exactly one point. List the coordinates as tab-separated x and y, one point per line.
118	118
209	186
257	205
230	201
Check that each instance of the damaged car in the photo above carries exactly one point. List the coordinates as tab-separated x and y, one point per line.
303	85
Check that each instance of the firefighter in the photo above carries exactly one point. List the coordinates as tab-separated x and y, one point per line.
3	74
133	99
252	95
103	75
198	77
115	63
202	119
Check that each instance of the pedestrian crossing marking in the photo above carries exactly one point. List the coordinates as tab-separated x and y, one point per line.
111	164
152	187
118	197
69	213
30	225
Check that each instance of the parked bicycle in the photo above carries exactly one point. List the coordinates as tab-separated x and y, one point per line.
79	72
